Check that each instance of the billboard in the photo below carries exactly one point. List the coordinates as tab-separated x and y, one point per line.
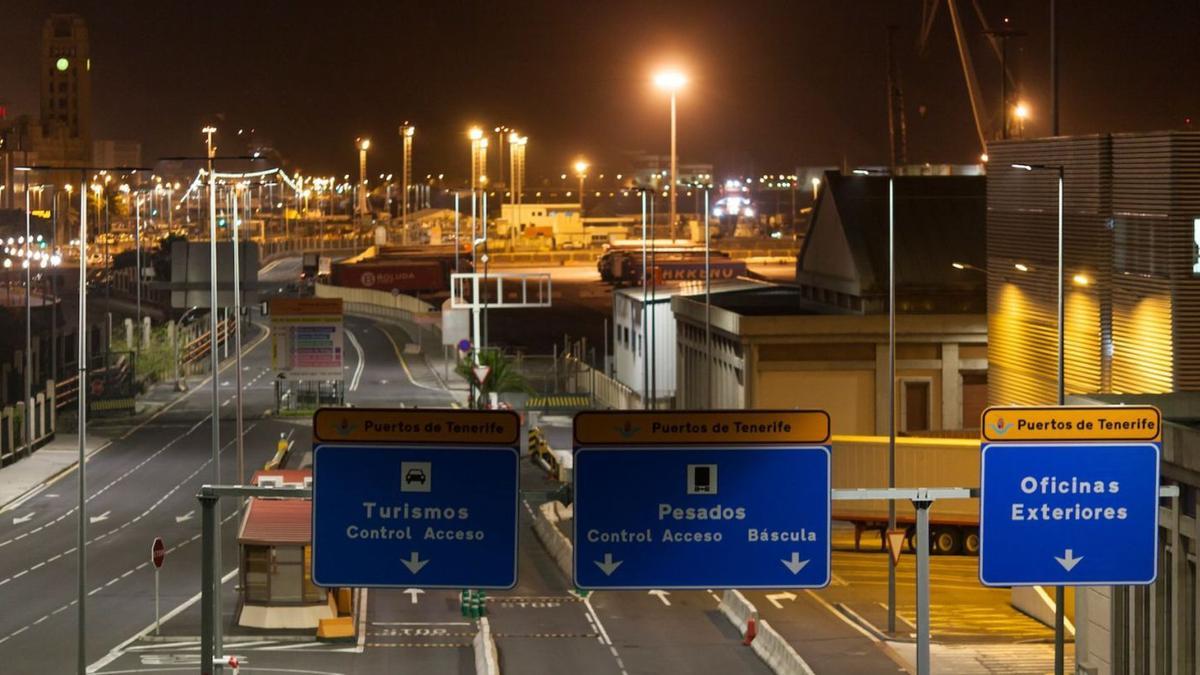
406	276
191	279
306	338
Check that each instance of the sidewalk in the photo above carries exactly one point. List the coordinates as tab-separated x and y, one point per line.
61	454
985	659
49	461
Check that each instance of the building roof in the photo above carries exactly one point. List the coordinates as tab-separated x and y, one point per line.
277	522
939	220
665	292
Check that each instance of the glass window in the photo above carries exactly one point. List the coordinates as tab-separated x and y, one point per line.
287	575
258	565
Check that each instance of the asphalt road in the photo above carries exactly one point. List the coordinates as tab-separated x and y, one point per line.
144	483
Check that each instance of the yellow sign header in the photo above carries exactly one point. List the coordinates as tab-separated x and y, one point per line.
707	427
305	307
1073	423
395	425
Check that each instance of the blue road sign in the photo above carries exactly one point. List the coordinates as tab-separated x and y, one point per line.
410	516
689	517
1068	514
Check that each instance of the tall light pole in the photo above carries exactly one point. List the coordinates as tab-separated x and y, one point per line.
501	132
214	304
581	167
363	144
516	149
237	336
406	133
1059	591
671	81
891	605
477	140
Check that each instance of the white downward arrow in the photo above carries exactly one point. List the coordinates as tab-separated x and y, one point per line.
608	566
1068	561
414	592
414	563
795	564
186	516
662	595
23	519
774	598
102	516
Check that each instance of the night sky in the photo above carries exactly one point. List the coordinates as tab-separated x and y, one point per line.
774	85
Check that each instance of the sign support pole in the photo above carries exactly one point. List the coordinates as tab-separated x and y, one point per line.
922	508
208	539
156	613
210	581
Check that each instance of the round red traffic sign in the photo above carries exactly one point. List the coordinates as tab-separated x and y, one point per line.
158	552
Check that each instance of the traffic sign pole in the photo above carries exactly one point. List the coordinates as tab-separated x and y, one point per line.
158	552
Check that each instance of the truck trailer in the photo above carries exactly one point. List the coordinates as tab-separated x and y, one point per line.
862	462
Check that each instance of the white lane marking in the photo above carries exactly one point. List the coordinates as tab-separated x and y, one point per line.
16	503
116	652
358	369
404	364
587	603
135	519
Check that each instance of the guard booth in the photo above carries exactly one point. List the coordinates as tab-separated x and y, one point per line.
275	551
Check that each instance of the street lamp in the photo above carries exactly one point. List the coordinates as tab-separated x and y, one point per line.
363	145
671	81
1059	592
581	167
892	392
516	151
1021	113
501	132
406	132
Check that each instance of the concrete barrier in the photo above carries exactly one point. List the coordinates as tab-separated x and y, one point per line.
777	653
737	609
487	658
768	644
556	543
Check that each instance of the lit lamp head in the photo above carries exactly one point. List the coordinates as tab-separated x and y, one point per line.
581	167
364	144
475	133
514	137
408	130
1021	111
670	80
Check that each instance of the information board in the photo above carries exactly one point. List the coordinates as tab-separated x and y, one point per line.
306	338
719	499
1072	499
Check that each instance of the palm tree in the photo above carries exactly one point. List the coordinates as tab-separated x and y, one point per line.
502	378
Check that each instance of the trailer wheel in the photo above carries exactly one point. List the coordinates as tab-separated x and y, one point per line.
945	540
971	542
